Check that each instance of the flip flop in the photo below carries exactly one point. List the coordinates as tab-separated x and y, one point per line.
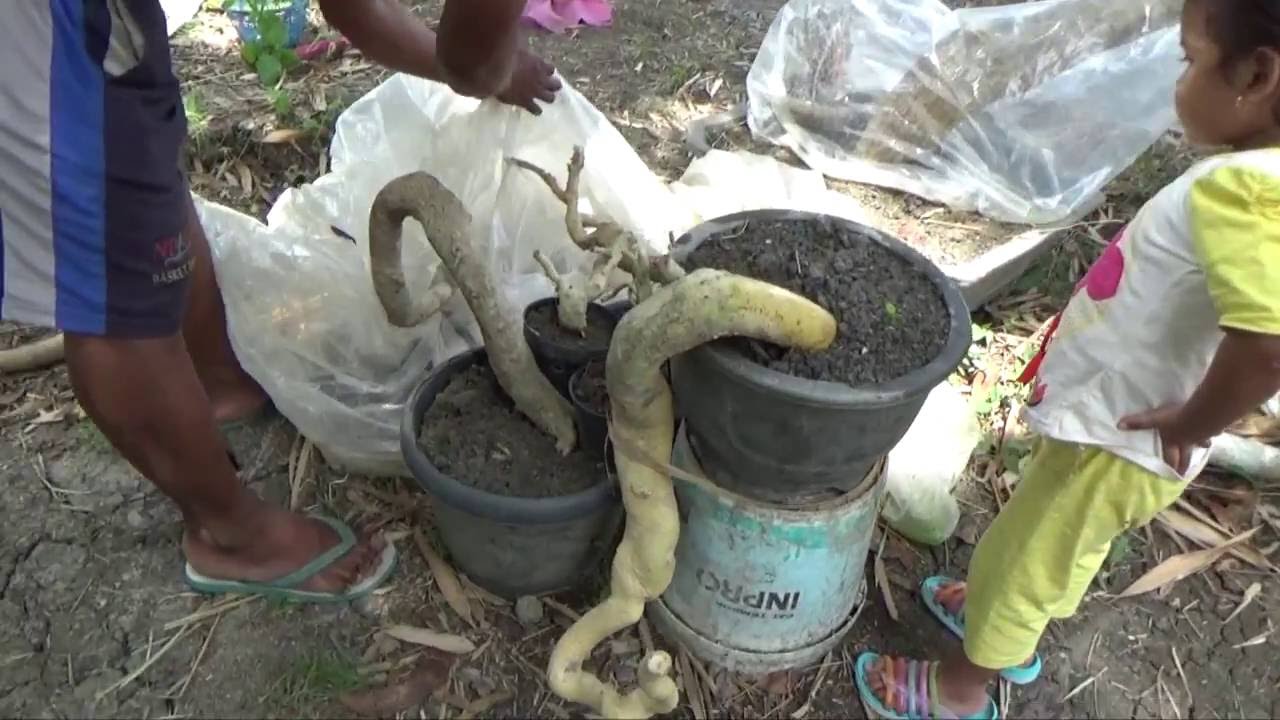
1020	675
915	682
286	588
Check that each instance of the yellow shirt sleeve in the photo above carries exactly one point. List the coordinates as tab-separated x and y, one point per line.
1235	225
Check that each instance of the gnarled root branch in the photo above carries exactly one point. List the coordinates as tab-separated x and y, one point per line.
447	224
701	307
35	355
574	297
605	238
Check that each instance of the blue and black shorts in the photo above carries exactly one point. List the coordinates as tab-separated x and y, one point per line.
92	198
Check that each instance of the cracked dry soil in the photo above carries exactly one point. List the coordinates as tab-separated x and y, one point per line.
90	576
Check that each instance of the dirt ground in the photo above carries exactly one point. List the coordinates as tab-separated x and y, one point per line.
95	621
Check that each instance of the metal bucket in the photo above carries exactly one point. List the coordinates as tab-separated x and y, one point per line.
761	587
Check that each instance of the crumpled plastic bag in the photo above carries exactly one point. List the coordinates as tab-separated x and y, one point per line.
302	313
922	469
303	316
1020	112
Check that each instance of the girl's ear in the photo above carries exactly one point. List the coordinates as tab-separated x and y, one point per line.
1262	76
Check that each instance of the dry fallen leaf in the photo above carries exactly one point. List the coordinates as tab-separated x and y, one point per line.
246	179
1199	528
882	580
1234	509
1180	566
282	135
446	579
777	684
430	674
49	417
449	643
692	688
1255	640
1249	595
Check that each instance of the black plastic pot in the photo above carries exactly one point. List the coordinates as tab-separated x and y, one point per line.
511	546
619	308
593	427
558	361
780	438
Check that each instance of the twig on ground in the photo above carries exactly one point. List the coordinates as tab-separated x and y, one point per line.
882	579
146	665
182	688
208	611
1177	661
1081	687
563	609
807	707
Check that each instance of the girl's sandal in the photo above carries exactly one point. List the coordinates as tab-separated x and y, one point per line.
910	690
936	586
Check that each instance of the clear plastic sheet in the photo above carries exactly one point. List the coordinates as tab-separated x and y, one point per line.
1020	112
302	313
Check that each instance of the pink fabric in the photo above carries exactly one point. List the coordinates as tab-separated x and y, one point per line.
1103	279
558	16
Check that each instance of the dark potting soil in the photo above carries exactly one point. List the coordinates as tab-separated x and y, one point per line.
545	320
592	390
474	434
891	318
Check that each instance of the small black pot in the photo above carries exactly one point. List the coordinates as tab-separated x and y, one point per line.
593	427
559	361
491	537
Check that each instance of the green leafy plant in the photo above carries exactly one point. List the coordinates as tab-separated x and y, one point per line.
269	54
891	311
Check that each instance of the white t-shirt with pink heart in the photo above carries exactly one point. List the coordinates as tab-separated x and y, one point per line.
1146	320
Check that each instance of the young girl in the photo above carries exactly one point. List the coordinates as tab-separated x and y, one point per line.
1173	335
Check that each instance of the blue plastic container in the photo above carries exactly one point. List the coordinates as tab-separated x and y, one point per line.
292	12
760	587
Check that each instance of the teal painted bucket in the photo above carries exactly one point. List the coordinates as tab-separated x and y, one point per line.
761	587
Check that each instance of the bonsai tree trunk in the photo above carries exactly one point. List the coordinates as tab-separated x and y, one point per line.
447	224
972	69
701	307
615	247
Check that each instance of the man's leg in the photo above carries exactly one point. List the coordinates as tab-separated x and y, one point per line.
146	398
232	393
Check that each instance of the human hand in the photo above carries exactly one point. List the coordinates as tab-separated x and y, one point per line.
1166	421
532	79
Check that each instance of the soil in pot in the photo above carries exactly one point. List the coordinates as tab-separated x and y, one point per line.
544	320
892	319
474	434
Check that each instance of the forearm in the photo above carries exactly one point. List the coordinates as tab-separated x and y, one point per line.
478	43
1244	374
388	33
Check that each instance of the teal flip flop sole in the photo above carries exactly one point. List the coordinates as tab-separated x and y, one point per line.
1020	675
286	588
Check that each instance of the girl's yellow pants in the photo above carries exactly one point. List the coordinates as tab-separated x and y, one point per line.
1044	549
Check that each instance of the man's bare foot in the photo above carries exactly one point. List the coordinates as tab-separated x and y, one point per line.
961	700
282	543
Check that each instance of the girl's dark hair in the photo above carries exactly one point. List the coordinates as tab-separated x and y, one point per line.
1239	27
